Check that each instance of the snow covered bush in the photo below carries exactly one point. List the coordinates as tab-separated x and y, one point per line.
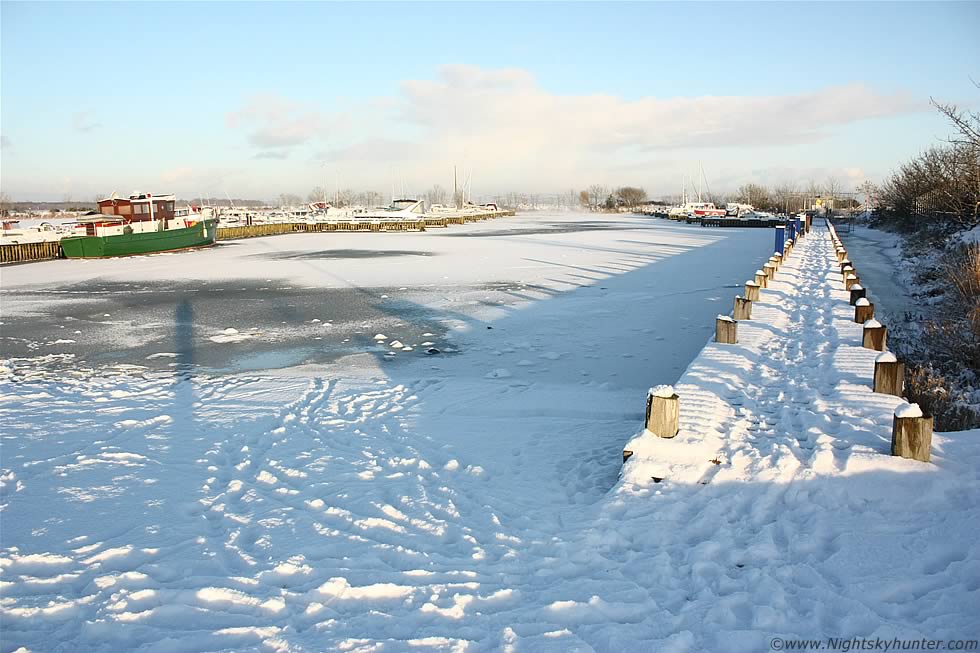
943	350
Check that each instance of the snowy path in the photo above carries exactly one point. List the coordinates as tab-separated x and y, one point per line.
459	510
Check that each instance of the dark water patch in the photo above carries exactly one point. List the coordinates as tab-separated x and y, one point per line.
339	254
163	326
548	228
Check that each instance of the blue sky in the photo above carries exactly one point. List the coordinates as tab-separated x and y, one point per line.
256	99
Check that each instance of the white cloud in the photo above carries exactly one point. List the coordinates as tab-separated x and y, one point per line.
508	108
84	121
273	121
517	135
179	173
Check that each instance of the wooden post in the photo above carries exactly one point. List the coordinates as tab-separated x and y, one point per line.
626	454
875	335
726	330
857	292
846	263
770	270
846	270
663	411
752	291
743	309
911	433
850	280
863	310
761	279
889	375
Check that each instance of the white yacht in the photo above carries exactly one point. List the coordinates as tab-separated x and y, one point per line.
404	209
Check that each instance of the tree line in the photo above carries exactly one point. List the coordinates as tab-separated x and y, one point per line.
937	191
930	198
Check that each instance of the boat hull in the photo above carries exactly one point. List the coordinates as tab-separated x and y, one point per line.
202	234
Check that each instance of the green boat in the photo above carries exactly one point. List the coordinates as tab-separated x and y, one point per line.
117	238
141	224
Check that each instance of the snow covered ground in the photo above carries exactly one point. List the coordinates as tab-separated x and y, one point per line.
393	500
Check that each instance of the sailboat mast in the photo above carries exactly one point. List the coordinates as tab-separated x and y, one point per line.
700	178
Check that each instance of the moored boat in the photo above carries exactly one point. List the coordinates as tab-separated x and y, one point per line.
140	224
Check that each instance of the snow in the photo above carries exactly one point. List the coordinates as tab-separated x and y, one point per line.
906	410
436	503
883	271
857	286
872	324
886	357
725	318
862	301
663	391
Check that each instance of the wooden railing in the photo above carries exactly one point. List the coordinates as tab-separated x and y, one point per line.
30	252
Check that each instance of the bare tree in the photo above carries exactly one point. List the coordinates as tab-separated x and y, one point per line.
755	194
318	194
871	194
435	195
344	197
631	196
786	196
967	123
597	195
834	190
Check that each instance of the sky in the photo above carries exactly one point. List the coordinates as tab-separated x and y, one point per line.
251	100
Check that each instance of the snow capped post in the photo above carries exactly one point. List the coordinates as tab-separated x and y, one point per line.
761	279
874	335
780	239
850	280
726	330
863	310
743	309
857	292
841	253
889	375
663	412
770	270
911	433
752	291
